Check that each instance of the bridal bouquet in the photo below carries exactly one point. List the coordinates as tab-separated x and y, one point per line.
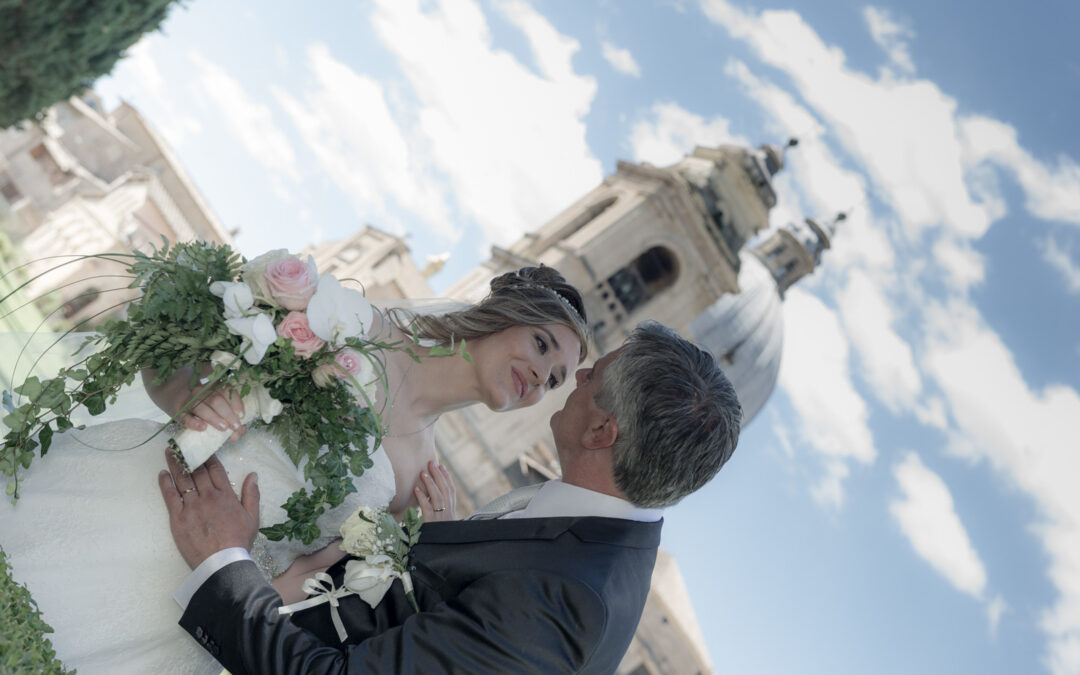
286	340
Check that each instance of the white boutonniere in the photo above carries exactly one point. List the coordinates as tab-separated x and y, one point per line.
381	549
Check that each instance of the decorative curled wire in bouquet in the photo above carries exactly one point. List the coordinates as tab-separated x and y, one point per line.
290	342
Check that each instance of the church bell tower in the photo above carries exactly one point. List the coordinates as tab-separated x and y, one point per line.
651	242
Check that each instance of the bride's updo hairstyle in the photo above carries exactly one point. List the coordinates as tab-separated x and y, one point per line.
531	296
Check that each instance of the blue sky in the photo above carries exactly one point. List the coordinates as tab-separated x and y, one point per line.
906	501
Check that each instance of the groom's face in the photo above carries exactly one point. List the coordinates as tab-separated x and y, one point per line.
570	424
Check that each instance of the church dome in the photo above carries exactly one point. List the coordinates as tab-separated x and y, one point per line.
745	332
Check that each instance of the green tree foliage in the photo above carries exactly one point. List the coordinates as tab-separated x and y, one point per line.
50	51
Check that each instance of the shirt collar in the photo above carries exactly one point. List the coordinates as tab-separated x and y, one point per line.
558	499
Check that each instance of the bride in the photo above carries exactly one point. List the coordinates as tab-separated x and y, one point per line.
89	535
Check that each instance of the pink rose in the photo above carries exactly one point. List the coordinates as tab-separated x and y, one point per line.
292	282
352	367
349	363
295	328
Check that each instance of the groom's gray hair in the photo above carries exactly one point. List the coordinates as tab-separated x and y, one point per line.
678	416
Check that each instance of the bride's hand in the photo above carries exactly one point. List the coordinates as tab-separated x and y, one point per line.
436	494
222	409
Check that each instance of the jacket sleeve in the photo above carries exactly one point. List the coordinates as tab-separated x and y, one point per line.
503	622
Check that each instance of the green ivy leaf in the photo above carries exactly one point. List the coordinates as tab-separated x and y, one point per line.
31	388
95	405
45	438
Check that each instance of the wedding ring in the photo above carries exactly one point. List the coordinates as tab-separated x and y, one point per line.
190	489
442	509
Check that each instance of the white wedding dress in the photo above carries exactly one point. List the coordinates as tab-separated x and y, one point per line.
90	538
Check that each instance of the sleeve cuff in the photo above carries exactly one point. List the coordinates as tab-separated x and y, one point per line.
205	570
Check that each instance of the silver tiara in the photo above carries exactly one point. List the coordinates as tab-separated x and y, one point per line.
560	296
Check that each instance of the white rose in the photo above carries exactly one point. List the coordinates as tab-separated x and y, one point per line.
370	578
254	273
335	312
258	333
224	359
360	536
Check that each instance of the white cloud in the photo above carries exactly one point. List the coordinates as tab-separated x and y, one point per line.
890	36
995	609
1052	193
347	123
814	373
250	121
928	519
903	132
1029	437
889	365
939	171
673	132
511	141
621	60
829	490
1061	260
962	265
815	171
149	94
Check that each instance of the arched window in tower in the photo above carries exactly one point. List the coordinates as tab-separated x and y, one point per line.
649	274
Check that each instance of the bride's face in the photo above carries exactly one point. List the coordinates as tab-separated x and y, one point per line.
517	366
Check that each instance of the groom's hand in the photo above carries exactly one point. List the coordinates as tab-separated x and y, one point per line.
204	514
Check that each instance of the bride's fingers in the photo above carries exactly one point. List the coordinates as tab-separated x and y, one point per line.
190	421
435	494
205	413
222	407
449	490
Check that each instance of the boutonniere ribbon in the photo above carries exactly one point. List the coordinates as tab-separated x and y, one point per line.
382	547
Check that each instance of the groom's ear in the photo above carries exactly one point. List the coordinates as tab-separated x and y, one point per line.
601	432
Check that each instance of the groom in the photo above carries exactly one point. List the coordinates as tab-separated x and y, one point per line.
556	586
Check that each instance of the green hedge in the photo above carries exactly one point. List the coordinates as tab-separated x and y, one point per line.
23	645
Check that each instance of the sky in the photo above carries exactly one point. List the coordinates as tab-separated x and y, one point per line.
906	502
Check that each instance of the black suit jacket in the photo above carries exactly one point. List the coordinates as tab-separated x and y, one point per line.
529	595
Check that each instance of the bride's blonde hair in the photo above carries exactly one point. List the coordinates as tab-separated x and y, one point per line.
531	296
